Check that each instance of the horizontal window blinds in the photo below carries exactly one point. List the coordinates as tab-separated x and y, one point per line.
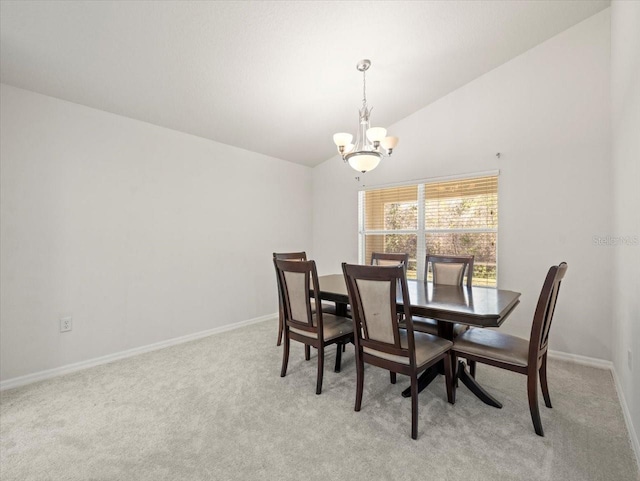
462	204
391	209
461	218
391	223
457	217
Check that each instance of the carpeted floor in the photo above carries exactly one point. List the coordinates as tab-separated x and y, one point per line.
216	409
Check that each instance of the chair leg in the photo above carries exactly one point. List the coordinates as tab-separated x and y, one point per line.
392	376
338	357
532	390
307	352
285	354
472	369
414	406
320	369
543	382
454	371
448	376
359	381
280	326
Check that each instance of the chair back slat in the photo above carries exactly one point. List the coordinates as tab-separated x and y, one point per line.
389	259
450	270
290	256
373	292
545	309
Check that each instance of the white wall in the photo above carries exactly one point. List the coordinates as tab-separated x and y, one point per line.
625	119
547	112
140	233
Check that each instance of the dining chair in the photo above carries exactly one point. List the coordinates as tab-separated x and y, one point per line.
314	329
378	338
515	354
446	270
294	256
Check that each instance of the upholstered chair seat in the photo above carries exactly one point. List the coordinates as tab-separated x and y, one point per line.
430	326
427	347
493	345
333	327
326	307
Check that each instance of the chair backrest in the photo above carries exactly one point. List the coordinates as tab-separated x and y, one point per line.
373	292
387	259
449	270
295	279
291	256
539	340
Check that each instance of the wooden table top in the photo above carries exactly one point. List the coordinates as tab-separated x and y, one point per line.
476	306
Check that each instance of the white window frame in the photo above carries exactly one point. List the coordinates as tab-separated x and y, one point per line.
421	231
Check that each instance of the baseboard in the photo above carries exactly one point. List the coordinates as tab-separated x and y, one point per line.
78	366
603	364
583	360
635	444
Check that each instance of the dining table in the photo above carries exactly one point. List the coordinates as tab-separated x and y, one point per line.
475	306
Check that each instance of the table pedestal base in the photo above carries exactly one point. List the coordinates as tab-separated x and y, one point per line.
423	380
461	374
475	388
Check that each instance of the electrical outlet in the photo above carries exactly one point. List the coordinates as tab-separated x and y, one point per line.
629	359
65	324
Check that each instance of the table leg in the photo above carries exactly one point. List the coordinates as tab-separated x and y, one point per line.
475	388
341	309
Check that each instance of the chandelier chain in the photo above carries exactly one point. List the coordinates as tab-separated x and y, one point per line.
364	88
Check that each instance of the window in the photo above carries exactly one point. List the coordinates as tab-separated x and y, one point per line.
450	217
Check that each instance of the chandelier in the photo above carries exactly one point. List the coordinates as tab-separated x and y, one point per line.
372	143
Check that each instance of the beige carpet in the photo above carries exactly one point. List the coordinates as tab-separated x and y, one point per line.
216	409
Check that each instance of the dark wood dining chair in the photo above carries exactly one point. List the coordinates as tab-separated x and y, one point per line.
294	256
450	271
447	270
379	340
314	329
528	357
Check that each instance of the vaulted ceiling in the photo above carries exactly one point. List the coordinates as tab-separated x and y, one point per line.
275	77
